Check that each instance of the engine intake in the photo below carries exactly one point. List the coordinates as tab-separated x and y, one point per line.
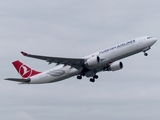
92	61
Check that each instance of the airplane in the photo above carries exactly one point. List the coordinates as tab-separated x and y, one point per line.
88	66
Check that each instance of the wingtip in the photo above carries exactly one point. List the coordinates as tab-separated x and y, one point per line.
24	53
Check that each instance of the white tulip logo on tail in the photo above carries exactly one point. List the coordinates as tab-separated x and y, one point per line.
25	71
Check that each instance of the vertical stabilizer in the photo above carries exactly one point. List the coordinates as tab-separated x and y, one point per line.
24	70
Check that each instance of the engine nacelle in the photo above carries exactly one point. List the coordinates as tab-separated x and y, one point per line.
115	66
92	61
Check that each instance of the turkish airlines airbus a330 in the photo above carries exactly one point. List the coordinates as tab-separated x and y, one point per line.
89	66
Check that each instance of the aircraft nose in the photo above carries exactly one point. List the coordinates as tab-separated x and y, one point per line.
154	40
151	40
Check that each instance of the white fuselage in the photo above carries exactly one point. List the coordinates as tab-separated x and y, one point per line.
106	56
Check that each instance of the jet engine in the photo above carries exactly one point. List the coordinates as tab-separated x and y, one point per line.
92	61
115	66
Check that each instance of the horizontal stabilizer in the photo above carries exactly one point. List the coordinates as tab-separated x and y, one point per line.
19	80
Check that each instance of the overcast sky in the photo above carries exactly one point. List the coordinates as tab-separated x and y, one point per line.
70	28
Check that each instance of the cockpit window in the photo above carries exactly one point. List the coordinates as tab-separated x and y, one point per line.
149	37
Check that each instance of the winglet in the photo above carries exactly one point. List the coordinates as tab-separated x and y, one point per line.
24	53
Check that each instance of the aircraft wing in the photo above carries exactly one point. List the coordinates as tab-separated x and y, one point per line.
73	62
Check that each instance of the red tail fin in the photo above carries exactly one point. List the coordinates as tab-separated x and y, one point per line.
24	70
